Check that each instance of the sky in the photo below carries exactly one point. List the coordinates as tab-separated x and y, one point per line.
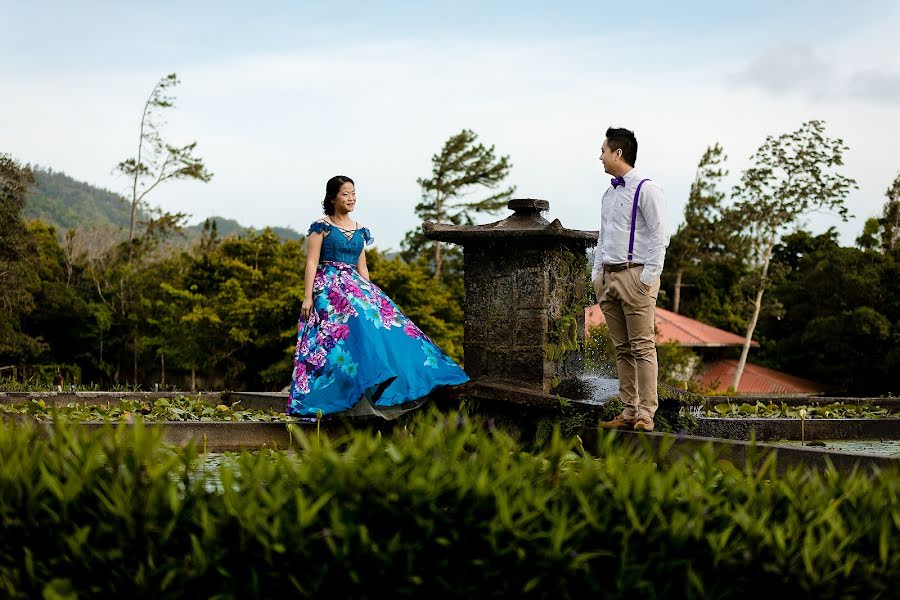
280	96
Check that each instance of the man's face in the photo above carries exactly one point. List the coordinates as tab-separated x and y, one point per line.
609	157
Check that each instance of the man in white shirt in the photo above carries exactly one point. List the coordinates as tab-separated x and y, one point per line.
630	252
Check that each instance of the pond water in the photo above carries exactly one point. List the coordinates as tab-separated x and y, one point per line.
207	469
882	447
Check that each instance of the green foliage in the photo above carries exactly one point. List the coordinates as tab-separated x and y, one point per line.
566	311
676	409
840	321
184	408
835	410
701	232
890	220
869	238
563	337
676	363
439	508
704	242
704	259
224	308
791	176
610	409
231	306
884	233
68	203
569	421
18	279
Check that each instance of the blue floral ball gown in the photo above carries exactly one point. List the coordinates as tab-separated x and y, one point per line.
357	348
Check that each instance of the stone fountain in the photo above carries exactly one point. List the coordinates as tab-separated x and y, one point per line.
526	284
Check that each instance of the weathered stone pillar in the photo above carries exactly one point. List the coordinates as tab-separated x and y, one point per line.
525	292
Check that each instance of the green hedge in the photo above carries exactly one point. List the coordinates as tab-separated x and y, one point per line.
440	507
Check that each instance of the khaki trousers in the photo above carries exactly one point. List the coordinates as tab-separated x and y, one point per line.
629	307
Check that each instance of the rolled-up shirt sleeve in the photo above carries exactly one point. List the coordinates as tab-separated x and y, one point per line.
653	209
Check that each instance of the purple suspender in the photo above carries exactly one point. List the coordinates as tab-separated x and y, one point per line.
637	195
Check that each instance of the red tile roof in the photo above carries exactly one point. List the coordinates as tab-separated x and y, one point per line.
672	327
718	376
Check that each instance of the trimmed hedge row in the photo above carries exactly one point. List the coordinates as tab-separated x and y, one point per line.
442	507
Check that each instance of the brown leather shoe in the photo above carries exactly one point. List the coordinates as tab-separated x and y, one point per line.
643	424
619	422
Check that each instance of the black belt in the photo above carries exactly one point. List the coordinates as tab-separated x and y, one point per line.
614	268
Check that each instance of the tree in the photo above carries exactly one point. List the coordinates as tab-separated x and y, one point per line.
791	175
702	232
462	168
890	218
841	319
156	160
59	322
870	238
884	233
17	279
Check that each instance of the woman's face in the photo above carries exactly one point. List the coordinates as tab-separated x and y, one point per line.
345	201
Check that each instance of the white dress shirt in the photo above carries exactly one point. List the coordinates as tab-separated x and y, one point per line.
651	231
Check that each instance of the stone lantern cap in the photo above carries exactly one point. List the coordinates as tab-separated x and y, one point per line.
525	223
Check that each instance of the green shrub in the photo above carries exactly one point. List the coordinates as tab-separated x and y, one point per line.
677	364
440	507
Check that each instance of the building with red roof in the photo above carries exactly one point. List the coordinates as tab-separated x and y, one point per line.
755	379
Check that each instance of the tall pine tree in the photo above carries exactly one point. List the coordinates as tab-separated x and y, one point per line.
702	234
463	168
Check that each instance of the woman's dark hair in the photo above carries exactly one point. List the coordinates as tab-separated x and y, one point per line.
331	191
624	140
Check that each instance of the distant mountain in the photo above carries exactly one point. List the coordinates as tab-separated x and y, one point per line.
228	227
66	203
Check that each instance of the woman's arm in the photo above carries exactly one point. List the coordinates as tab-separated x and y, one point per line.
361	267
313	251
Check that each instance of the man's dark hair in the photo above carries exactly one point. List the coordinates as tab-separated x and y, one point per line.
624	140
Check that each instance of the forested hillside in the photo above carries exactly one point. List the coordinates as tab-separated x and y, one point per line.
67	203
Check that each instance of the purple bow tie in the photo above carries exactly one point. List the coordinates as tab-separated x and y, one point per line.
617	181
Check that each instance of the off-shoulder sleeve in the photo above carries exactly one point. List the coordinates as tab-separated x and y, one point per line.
367	236
319	227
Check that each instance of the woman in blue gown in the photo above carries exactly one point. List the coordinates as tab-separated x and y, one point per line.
356	353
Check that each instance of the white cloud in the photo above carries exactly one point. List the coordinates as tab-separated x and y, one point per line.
884	86
863	64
